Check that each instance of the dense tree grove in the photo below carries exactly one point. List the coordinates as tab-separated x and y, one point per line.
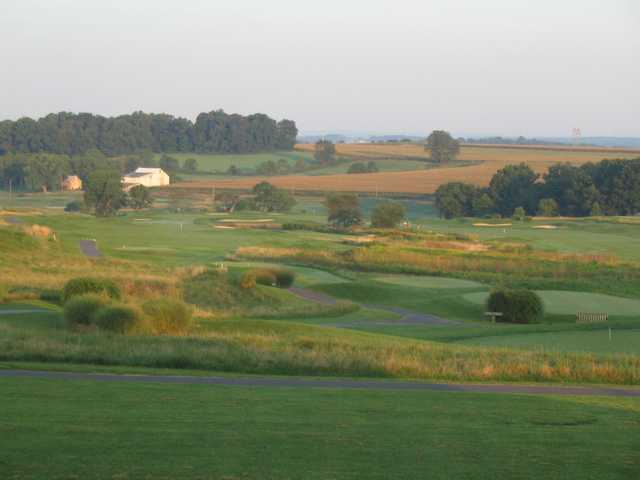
213	132
609	187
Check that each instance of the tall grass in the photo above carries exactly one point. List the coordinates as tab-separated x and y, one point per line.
263	347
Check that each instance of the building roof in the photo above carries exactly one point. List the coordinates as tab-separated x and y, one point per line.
149	170
137	174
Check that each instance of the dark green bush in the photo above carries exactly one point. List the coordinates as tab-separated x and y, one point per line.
83	285
516	306
51	295
118	319
74	206
168	316
264	276
284	278
81	309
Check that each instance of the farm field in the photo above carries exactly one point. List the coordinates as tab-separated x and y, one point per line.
239	432
422	181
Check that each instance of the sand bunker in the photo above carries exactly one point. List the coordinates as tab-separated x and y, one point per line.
247	220
546	227
492	224
224	227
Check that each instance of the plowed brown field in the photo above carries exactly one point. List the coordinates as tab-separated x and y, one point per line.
492	159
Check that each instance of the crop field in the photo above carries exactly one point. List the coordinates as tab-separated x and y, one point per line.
486	161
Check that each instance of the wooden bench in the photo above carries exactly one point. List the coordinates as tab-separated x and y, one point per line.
493	315
583	317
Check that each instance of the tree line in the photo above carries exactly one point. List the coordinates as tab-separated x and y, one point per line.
609	187
214	132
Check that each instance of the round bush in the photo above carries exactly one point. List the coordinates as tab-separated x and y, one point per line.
81	309
118	319
51	295
168	316
284	278
248	281
84	285
264	277
516	306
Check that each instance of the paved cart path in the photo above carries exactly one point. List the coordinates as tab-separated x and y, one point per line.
89	248
407	317
298	382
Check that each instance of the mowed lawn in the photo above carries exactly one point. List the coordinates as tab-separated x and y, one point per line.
53	429
597	341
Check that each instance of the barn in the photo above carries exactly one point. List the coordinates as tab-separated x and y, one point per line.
149	177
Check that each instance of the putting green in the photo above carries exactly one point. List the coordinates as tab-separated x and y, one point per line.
569	303
304	276
426	282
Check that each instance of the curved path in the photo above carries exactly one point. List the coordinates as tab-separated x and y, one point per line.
407	317
297	382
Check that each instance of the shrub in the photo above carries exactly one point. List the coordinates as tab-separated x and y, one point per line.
264	276
168	316
74	206
51	295
118	319
81	309
284	278
248	281
272	277
83	285
387	215
517	306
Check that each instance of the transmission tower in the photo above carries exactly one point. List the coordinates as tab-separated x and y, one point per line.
576	135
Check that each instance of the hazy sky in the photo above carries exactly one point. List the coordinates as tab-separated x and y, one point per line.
472	67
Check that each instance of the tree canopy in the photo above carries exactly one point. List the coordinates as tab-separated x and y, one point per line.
443	146
103	192
344	210
212	132
387	215
610	187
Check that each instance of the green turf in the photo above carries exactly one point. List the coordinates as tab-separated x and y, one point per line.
572	236
91	430
245	162
426	281
621	341
570	303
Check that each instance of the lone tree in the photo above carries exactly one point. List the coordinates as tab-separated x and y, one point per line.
325	152
443	146
344	210
140	197
387	215
268	198
548	207
103	192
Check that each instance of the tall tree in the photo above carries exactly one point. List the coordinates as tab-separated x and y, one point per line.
325	152
103	192
514	186
443	146
344	210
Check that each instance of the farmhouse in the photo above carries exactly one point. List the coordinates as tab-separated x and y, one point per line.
149	177
72	183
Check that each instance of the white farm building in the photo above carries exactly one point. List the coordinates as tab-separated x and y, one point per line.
149	177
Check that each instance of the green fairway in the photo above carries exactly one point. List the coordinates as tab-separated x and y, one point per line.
579	235
570	303
621	341
220	163
304	276
54	429
426	281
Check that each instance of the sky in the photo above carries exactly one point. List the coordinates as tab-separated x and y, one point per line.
512	67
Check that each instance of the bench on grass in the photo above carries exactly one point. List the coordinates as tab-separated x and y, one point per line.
583	317
493	315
